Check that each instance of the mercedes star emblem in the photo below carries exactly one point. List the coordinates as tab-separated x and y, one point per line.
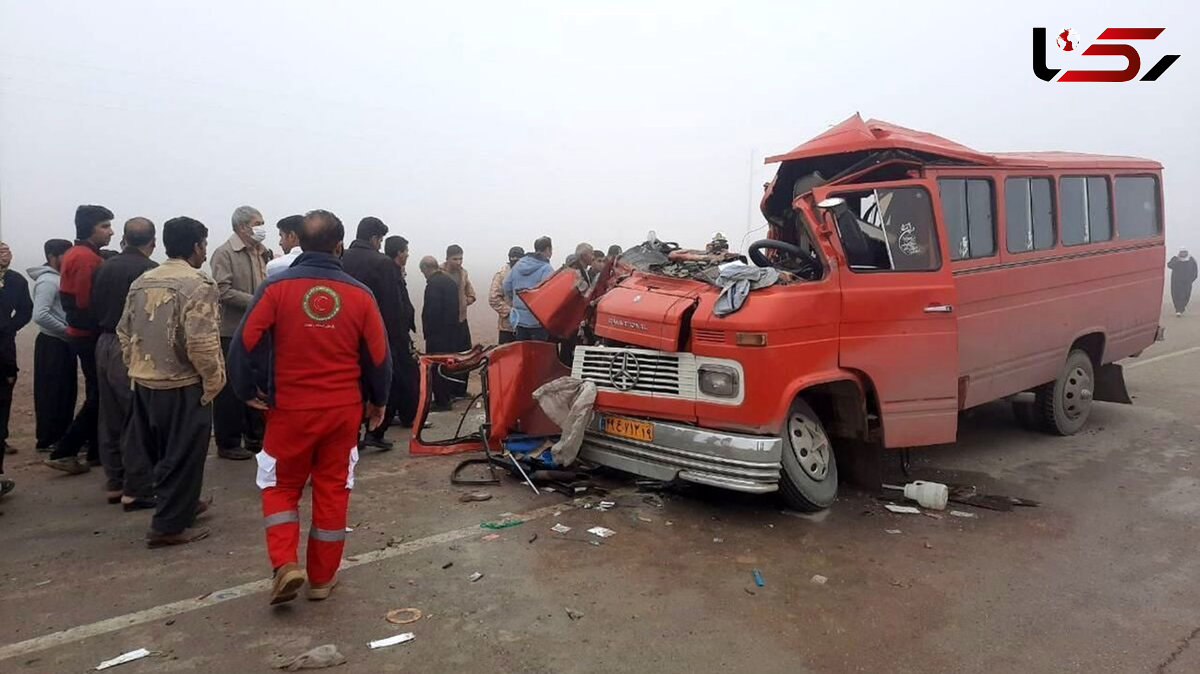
624	371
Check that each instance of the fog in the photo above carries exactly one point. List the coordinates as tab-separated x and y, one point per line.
488	124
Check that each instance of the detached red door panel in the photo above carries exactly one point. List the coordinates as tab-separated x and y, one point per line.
898	300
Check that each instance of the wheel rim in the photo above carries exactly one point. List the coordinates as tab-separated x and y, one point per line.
1077	393
810	446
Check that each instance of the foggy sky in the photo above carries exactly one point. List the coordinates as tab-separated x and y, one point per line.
489	124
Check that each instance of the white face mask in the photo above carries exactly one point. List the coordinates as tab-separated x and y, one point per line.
259	233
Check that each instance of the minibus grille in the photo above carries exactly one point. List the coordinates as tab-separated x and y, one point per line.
639	371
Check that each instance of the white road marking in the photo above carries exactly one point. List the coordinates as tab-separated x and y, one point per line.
1181	352
164	611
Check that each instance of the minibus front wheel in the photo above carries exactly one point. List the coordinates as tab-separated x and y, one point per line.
1063	405
810	478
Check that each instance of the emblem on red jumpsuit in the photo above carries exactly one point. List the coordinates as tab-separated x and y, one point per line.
321	303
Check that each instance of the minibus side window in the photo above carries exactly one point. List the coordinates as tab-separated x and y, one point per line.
1028	214
1137	207
888	230
1085	212
968	212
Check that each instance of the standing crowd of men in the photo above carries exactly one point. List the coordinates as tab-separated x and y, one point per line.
296	361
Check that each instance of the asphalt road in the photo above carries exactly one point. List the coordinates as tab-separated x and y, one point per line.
1103	577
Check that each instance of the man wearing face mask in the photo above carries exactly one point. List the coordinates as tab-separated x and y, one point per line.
239	266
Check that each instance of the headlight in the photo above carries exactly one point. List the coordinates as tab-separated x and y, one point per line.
719	380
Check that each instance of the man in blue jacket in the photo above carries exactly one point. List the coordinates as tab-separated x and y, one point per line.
528	272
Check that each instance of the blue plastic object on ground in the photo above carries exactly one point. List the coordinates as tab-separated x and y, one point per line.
758	579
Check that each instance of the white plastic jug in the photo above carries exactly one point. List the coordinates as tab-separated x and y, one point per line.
932	495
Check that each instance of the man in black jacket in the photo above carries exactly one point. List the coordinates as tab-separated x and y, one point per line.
129	473
439	319
16	309
405	371
376	271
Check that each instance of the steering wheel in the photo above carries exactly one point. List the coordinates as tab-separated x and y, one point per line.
798	260
756	251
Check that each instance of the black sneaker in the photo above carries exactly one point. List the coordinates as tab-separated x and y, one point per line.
140	503
71	465
376	443
235	453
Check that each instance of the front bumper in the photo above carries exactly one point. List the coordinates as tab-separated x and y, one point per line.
746	463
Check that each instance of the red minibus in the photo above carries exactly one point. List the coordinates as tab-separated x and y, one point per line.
918	278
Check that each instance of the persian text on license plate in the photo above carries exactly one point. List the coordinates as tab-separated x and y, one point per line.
629	428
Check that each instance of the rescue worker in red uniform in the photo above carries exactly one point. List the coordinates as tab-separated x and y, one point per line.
311	345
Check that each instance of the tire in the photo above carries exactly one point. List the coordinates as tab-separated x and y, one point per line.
1063	405
810	478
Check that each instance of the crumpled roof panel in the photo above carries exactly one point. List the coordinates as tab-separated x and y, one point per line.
857	135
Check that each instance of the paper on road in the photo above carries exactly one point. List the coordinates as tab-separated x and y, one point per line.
392	641
123	658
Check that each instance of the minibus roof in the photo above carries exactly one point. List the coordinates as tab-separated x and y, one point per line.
857	135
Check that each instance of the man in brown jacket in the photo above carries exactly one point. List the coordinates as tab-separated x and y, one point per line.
172	347
498	301
239	267
466	297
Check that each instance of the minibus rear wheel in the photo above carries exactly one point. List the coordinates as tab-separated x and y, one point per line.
810	478
1064	404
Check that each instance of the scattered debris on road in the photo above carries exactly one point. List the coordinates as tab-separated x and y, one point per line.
474	497
892	531
491	537
758	579
320	657
474	577
818	579
403	616
573	614
124	658
901	509
962	513
969	495
502	524
447	565
560	528
602	532
392	641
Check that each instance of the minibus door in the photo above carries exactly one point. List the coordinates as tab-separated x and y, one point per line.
898	323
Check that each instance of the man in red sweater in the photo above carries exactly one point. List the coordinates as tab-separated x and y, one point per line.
311	343
93	231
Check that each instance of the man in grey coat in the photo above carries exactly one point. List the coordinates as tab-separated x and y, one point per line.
239	266
55	374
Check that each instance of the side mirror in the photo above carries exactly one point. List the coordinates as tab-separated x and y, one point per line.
831	202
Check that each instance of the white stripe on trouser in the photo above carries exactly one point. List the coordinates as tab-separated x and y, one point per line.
327	535
281	518
266	470
353	463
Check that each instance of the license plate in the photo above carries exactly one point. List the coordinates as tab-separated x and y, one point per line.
629	428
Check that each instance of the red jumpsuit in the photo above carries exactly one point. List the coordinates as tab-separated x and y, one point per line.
313	342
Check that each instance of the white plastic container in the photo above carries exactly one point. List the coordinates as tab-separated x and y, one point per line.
932	495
